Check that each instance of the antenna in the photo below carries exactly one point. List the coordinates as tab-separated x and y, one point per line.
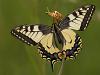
47	11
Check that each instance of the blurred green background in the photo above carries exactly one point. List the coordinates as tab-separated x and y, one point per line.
17	58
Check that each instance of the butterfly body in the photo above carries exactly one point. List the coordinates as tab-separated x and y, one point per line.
61	31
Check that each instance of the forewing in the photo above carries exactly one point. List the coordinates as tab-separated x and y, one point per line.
30	34
78	19
39	35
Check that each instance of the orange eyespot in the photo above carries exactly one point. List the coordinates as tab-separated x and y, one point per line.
62	54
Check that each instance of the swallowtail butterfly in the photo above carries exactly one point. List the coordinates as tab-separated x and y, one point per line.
61	31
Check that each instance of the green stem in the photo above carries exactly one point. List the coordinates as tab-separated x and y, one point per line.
61	68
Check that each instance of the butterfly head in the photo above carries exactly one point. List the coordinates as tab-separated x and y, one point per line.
56	16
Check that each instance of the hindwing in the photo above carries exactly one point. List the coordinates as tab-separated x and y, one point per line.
72	43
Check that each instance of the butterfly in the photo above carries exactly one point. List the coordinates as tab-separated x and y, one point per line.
62	32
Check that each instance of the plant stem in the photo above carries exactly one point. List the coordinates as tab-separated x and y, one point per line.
61	68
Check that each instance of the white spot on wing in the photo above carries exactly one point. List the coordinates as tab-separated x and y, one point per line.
87	8
36	28
77	13
18	30
84	11
80	9
24	32
29	28
71	16
21	31
23	27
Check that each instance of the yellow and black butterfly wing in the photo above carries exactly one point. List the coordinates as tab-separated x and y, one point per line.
78	19
30	34
39	35
48	48
47	44
72	43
